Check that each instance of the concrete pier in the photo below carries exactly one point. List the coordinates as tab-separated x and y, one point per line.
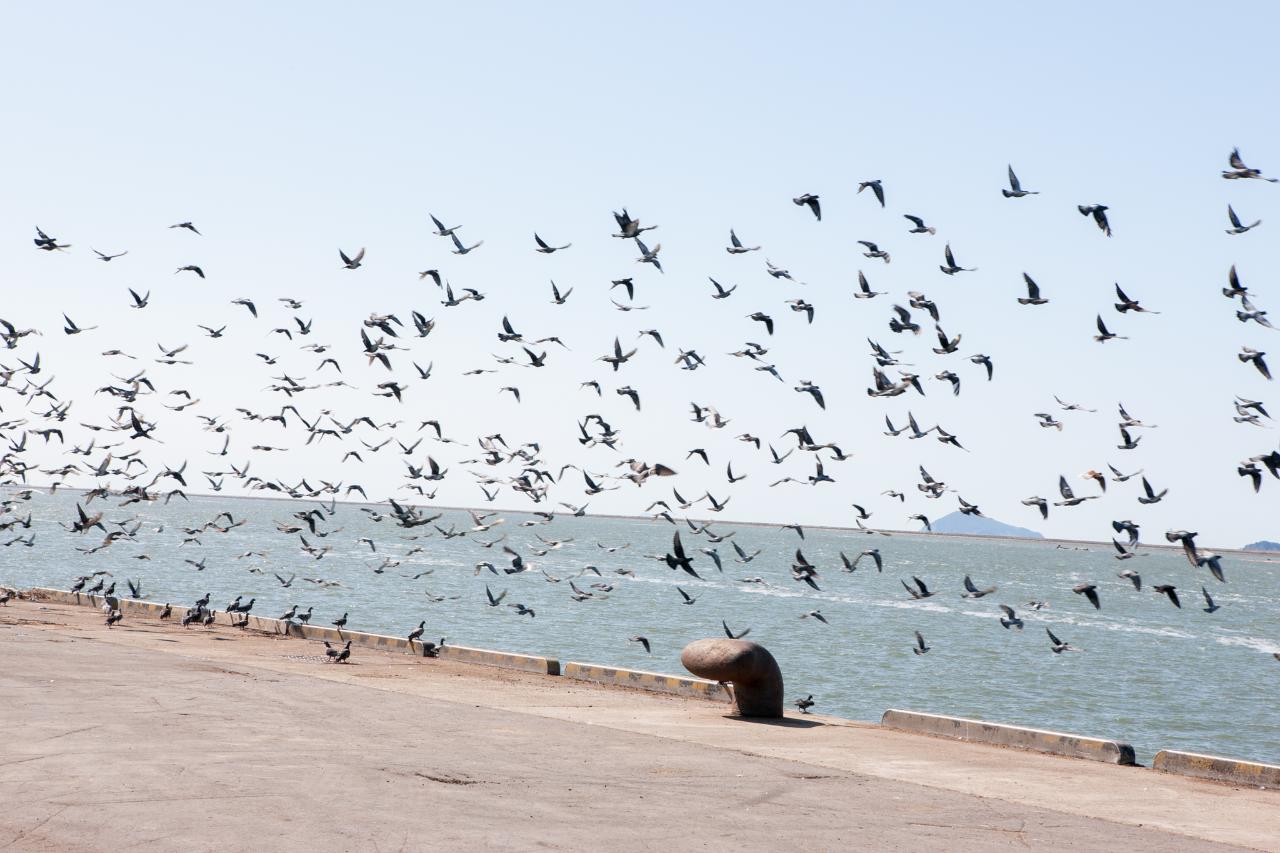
150	737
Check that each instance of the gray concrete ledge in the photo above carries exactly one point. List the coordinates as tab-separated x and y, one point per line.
998	734
464	654
505	660
1251	773
694	688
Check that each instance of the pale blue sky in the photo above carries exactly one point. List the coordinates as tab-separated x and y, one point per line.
288	131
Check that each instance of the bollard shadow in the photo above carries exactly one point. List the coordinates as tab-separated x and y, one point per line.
780	722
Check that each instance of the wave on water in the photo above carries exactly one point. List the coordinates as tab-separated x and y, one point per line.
1260	644
1110	625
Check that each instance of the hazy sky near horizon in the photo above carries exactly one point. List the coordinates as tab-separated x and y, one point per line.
286	131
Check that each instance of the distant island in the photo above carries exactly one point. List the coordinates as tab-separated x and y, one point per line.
1263	545
973	525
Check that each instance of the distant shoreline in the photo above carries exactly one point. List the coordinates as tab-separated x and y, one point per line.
1252	556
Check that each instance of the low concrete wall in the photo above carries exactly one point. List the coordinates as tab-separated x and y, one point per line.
1251	773
979	731
62	596
695	688
152	609
506	660
464	654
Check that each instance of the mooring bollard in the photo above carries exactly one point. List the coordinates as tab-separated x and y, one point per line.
754	674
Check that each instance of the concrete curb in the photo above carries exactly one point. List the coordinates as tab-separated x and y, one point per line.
463	654
152	609
1251	773
695	688
506	660
1037	740
83	599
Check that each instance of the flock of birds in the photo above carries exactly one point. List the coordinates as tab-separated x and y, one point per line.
117	458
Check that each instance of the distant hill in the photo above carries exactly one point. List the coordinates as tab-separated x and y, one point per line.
1263	545
958	522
